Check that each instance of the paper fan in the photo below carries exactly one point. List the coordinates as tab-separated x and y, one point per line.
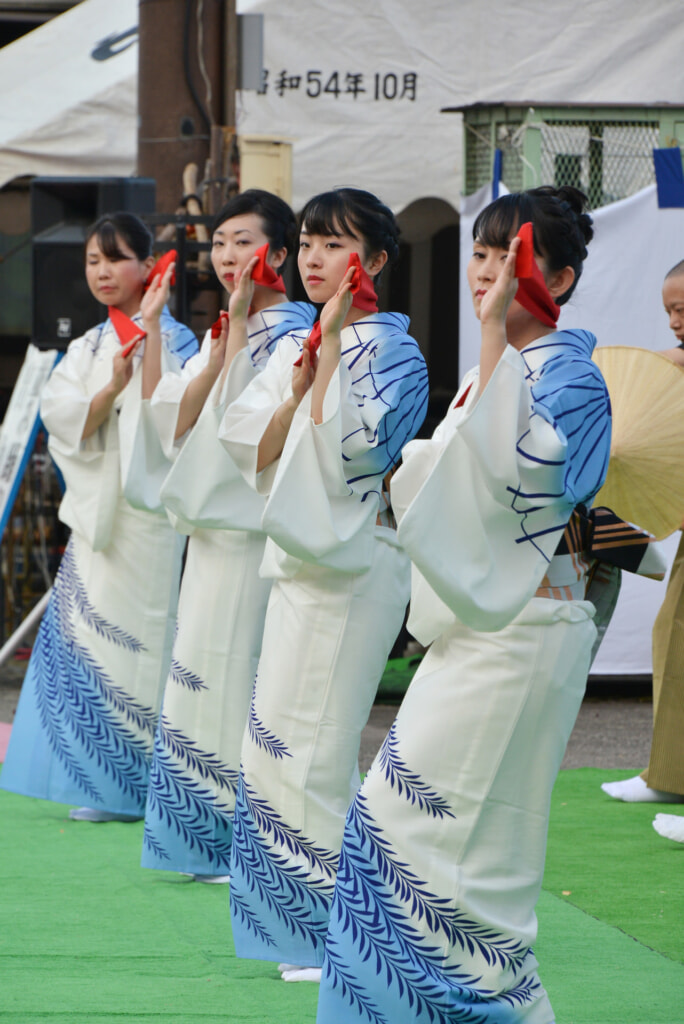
645	480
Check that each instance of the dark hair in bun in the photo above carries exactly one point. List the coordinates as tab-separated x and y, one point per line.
356	213
562	229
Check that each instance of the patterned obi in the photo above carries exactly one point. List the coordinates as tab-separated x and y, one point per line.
594	542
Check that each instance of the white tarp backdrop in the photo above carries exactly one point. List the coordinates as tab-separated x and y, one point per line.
391	138
69	94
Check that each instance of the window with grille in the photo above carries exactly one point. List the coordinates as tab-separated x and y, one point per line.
607	160
605	151
480	153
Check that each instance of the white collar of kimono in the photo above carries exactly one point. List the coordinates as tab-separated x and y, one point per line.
539	350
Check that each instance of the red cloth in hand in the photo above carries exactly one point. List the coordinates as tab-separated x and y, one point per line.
362	288
264	274
532	293
314	339
364	297
127	331
159	269
217	325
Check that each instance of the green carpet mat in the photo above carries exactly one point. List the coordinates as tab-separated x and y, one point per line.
606	856
89	937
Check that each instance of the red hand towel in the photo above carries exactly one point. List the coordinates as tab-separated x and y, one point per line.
160	267
462	400
314	338
264	273
127	331
362	288
364	298
217	325
532	293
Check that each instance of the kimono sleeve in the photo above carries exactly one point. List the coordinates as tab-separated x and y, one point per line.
247	417
383	403
90	467
164	406
482	509
145	460
370	410
205	488
65	401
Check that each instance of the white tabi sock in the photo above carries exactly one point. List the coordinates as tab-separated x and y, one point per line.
671	826
635	791
303	974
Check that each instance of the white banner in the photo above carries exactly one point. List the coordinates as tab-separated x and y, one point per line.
20	426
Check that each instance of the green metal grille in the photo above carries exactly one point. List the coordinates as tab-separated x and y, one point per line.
608	154
607	160
480	154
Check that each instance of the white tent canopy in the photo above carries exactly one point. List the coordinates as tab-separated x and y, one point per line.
69	94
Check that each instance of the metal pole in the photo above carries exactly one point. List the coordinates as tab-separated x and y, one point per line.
230	62
34	616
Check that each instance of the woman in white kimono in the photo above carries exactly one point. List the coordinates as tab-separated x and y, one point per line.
193	781
317	441
433	915
84	728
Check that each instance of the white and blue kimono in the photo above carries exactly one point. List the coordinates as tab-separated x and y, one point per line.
84	728
194	775
340	589
433	917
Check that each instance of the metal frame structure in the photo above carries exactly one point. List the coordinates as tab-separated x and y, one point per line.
606	150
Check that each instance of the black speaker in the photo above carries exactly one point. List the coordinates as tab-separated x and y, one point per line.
62	209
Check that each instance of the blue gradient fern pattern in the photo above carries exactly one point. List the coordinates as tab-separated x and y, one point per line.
398	931
278	877
188	793
262	737
76	591
184	677
408	783
93	726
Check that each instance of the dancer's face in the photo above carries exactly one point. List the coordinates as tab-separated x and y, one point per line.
323	261
673	300
484	267
235	242
113	281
